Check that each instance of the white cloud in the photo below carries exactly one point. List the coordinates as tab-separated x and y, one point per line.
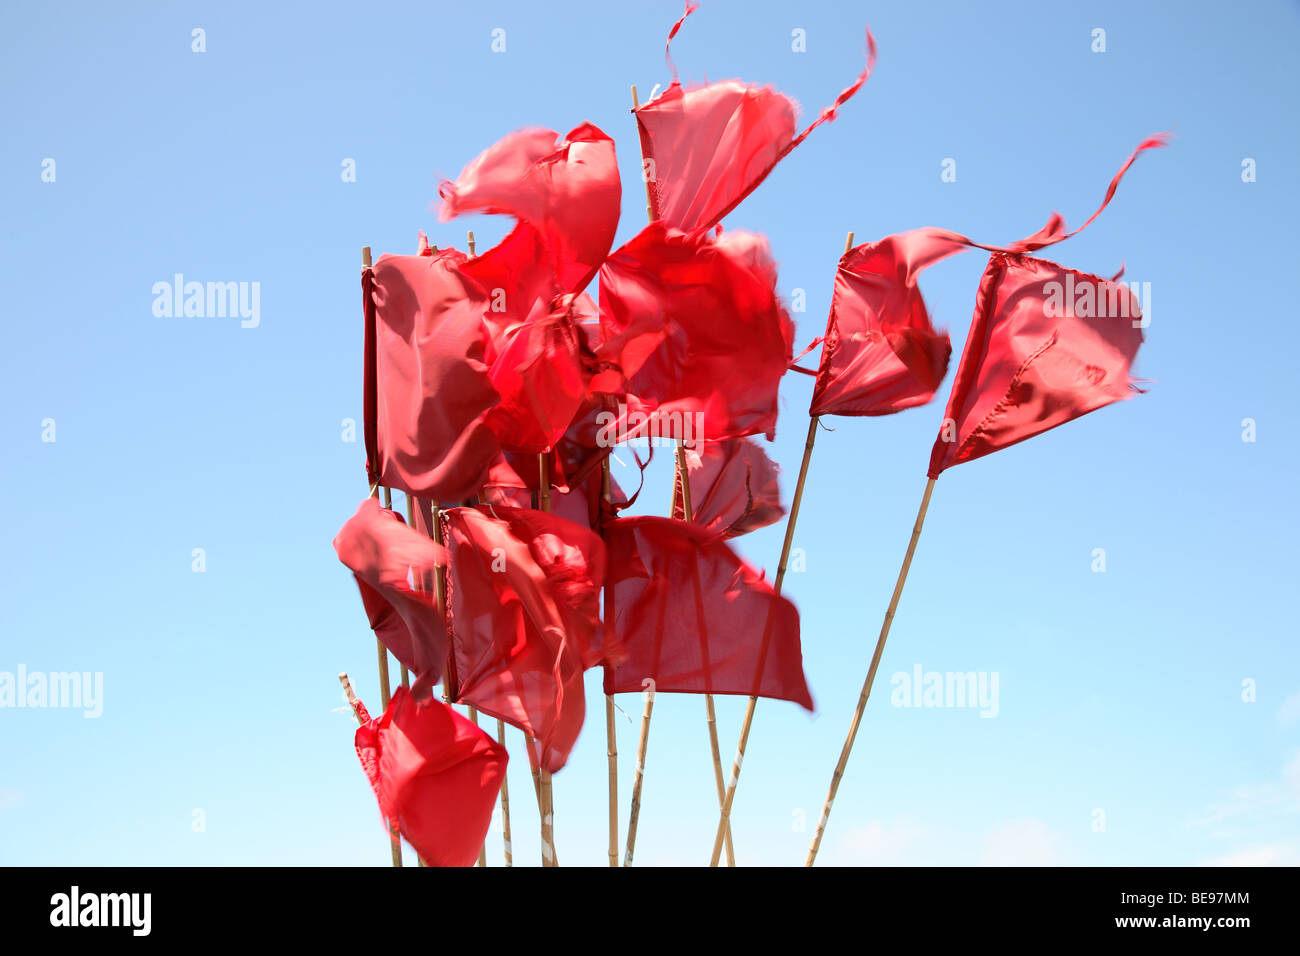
1276	854
1025	842
1289	712
880	844
1255	799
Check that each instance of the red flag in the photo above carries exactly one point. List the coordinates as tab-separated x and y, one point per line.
695	618
881	353
697	328
522	598
734	488
541	378
568	191
1047	344
436	776
388	558
426	384
706	149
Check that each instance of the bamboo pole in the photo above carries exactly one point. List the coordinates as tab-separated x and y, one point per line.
790	521
871	674
547	794
645	178
505	796
638	777
611	737
711	718
393	838
635	812
385	692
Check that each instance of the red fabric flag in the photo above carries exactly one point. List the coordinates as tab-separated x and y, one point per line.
436	776
881	352
522	595
568	191
427	385
541	377
1047	344
697	329
734	488
706	149
388	559
695	618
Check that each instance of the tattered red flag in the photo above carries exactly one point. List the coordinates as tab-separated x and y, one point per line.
541	378
522	593
696	327
394	567
427	390
881	352
568	191
695	618
734	488
436	776
706	149
1047	344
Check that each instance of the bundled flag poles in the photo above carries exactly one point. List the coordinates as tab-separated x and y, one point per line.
384	686
724	821
682	476
611	738
871	674
1046	345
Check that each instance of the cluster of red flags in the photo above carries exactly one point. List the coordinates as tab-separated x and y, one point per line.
476	366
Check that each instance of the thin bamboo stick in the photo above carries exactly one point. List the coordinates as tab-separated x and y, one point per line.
611	738
547	793
871	674
645	178
791	519
385	692
711	718
395	841
505	796
635	812
482	850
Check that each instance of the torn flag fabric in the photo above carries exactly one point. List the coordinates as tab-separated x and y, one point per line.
1047	344
734	487
705	149
698	331
394	567
436	776
522	593
881	352
693	617
569	191
427	384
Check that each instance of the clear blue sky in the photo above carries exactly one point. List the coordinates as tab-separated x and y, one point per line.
1118	691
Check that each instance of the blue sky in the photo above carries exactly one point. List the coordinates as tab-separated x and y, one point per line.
1119	692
